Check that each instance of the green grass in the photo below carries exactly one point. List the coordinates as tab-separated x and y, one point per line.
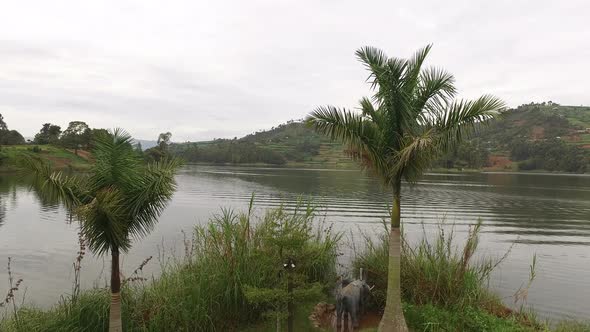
58	157
433	271
433	318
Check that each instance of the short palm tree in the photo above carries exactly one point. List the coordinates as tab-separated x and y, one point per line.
410	120
120	199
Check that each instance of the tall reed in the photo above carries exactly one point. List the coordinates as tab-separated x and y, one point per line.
434	271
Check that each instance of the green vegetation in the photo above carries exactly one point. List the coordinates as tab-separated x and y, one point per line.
160	152
9	137
410	120
535	136
57	157
120	199
289	143
49	134
550	155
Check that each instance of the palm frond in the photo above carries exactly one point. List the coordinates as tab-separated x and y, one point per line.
361	134
375	60
414	69
116	162
462	118
415	156
69	190
367	108
150	196
435	89
103	221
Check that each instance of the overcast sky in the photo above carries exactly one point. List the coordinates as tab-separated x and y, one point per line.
206	69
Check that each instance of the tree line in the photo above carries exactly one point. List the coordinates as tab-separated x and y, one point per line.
550	155
78	135
230	152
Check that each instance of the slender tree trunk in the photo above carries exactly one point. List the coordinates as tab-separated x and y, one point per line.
393	316
115	324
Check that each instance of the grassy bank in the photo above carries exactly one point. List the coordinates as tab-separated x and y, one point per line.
58	157
232	277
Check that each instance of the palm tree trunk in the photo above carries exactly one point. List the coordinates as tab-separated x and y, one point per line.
393	316
115	324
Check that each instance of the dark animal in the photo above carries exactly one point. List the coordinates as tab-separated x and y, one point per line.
351	301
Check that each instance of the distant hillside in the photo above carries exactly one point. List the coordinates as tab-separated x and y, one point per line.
292	143
535	136
58	157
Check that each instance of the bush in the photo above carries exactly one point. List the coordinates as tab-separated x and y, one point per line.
435	272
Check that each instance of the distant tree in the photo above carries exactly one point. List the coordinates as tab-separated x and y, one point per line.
3	125
49	134
160	151
9	137
76	136
95	134
164	141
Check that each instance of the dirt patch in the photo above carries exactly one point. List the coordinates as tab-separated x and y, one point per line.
586	146
499	163
324	316
573	138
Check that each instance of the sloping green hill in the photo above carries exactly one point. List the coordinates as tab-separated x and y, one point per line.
58	157
292	143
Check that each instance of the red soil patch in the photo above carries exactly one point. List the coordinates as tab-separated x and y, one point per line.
574	138
499	162
324	316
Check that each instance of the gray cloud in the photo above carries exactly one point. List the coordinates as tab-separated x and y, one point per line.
221	69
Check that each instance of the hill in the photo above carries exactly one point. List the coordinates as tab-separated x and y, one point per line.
543	136
292	143
536	136
58	157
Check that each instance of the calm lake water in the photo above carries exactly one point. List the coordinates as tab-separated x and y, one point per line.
546	215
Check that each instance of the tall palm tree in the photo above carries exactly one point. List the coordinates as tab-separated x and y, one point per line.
411	119
120	199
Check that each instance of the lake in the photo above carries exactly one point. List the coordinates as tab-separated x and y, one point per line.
544	214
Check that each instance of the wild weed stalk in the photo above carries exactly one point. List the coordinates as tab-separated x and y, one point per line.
10	298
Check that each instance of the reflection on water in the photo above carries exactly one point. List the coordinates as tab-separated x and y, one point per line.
545	214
